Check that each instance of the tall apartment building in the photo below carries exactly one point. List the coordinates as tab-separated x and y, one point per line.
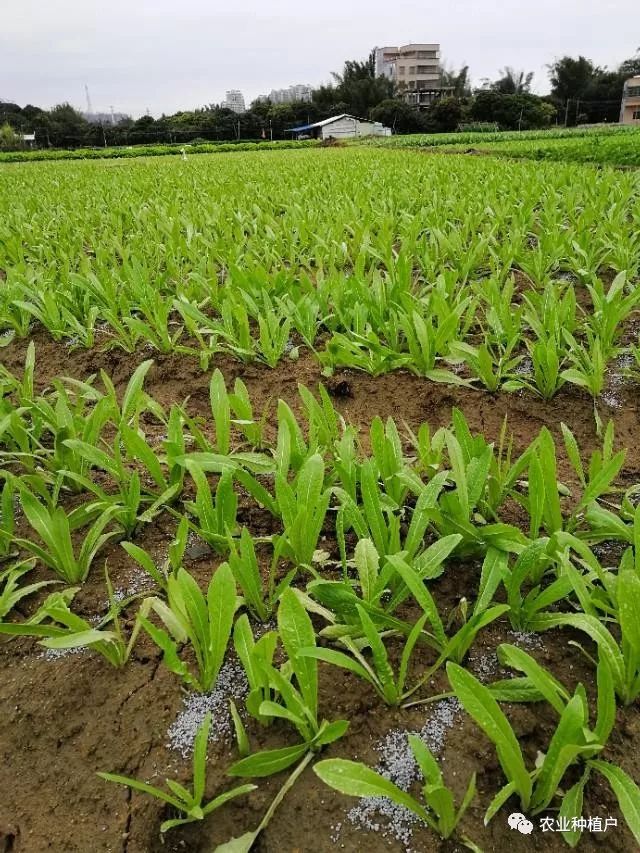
298	92
630	109
234	100
414	69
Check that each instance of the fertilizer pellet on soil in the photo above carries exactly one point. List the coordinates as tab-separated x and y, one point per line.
230	684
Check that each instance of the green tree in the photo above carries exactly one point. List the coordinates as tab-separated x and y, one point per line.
357	88
458	81
9	139
399	116
570	78
445	114
512	112
511	82
67	127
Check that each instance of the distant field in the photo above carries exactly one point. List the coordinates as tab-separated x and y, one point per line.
616	149
616	145
128	151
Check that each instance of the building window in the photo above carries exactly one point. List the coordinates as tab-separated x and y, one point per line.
632	91
401	70
412	69
636	115
427	54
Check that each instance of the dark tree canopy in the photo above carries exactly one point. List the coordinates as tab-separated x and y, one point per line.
511	82
587	92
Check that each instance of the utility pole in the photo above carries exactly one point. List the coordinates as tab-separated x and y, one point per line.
89	107
566	113
577	109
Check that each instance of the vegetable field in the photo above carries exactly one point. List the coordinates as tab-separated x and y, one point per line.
617	145
319	520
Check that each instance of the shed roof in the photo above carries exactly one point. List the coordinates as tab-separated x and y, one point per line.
322	123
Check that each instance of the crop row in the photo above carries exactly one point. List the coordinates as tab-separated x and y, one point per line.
528	283
470	137
619	149
399	516
616	144
130	151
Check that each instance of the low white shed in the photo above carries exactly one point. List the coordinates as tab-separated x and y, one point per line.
341	127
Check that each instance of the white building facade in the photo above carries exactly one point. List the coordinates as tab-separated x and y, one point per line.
292	94
234	100
413	68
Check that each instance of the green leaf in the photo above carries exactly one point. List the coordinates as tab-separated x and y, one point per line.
380	658
268	762
221	603
330	732
158	793
626	791
606	703
480	704
296	631
358	780
543	681
628	597
367	563
570	808
336	658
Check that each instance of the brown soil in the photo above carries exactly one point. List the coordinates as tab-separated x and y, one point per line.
66	719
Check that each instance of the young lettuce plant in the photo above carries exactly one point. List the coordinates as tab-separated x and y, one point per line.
438	812
298	702
572	740
326	425
215	512
204	622
543	501
588	367
258	597
10	590
131	507
549	689
377	517
464	508
303	506
189	803
380	592
66	630
528	572
378	671
173	562
244	419
256	657
54	528
545	354
622	657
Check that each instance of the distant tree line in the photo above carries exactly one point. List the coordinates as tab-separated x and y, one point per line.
580	92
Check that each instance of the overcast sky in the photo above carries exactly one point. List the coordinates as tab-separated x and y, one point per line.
165	55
